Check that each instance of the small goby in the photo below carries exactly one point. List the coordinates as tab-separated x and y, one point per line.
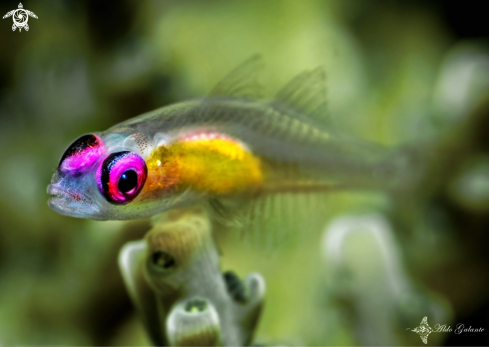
225	149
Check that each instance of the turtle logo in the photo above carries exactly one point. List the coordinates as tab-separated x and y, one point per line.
423	330
20	17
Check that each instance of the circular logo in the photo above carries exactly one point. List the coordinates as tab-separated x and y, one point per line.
20	17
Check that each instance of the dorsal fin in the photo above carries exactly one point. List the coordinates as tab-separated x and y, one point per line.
242	82
305	94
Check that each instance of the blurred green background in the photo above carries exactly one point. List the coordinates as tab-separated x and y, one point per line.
398	73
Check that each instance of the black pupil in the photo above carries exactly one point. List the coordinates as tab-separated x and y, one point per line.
128	181
163	260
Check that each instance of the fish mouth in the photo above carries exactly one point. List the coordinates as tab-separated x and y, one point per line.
58	194
70	203
54	190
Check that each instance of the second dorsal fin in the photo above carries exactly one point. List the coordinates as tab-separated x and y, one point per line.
305	94
242	82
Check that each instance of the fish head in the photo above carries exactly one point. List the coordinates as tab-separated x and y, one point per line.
102	176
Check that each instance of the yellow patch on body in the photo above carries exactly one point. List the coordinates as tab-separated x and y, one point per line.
217	166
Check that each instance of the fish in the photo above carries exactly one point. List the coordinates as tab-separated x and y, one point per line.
231	150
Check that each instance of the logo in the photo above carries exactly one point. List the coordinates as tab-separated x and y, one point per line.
424	330
20	17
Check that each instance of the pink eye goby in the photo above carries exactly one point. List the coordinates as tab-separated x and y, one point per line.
121	177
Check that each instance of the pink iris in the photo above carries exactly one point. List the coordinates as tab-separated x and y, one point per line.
121	177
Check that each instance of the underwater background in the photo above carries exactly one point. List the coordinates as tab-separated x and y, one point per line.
360	272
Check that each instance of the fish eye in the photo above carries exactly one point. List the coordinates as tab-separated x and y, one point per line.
81	153
121	177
